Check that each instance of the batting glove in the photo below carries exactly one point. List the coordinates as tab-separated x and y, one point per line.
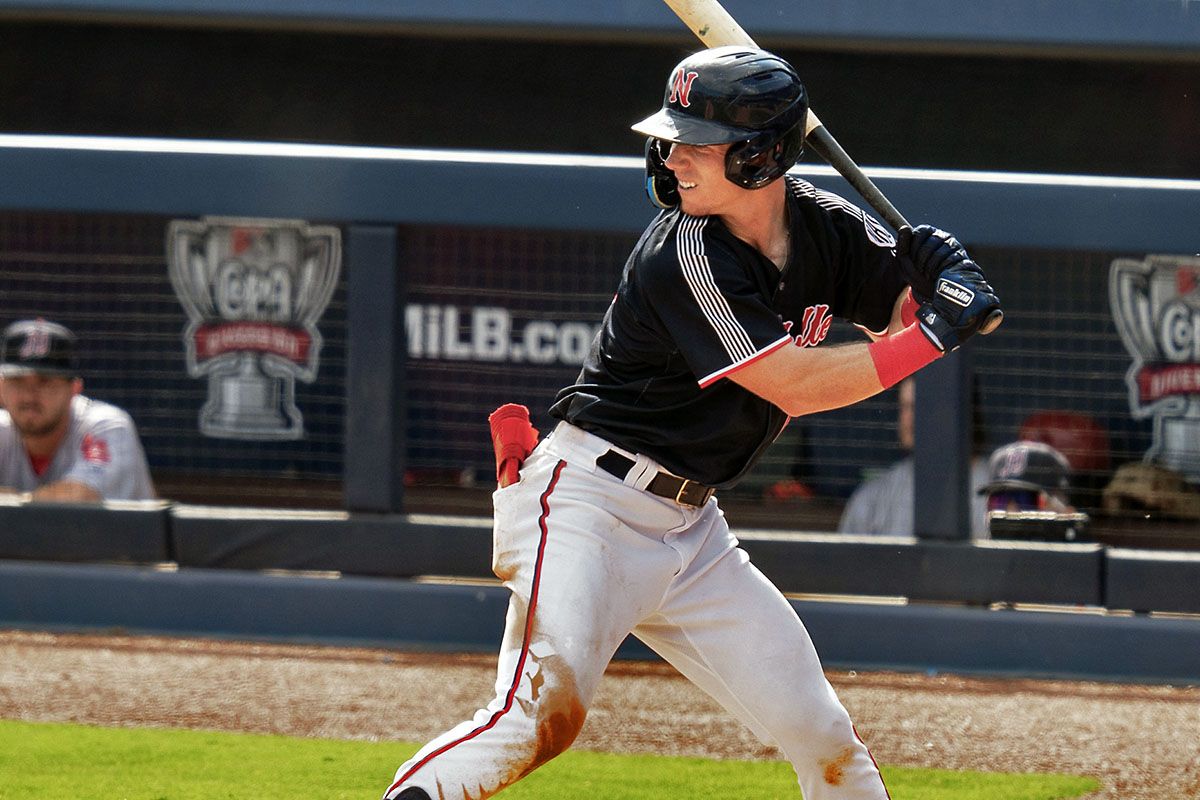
961	301
925	252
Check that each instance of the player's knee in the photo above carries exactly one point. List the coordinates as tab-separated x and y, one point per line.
818	731
560	716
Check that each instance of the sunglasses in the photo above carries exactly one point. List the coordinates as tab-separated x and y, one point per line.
1016	500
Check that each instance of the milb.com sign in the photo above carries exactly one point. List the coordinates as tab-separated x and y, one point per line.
491	333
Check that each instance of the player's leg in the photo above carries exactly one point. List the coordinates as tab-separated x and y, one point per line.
730	631
580	579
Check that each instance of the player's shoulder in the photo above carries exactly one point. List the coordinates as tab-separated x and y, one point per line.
896	473
835	212
90	413
675	239
810	197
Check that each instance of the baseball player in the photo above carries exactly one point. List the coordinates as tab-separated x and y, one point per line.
705	352
56	444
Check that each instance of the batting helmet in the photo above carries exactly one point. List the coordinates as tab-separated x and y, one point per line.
742	96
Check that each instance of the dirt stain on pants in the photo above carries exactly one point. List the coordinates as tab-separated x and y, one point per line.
834	769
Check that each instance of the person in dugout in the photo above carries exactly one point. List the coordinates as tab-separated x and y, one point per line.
55	443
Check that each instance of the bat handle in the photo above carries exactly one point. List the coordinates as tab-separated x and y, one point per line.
992	322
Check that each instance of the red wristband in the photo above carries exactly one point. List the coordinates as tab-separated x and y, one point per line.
898	356
908	309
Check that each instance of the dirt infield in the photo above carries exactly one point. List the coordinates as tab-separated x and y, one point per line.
1139	741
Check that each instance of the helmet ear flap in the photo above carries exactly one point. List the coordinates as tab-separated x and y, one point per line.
662	187
757	161
745	162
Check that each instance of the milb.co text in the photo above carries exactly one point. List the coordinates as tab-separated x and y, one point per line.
490	333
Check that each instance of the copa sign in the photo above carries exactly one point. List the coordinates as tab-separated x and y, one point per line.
253	290
1156	307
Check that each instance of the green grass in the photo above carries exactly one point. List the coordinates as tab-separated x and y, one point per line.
76	762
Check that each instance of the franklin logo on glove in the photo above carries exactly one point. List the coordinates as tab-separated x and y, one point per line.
955	293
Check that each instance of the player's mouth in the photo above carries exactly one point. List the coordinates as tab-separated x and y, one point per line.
687	185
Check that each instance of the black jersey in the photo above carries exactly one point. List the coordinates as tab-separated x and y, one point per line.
696	303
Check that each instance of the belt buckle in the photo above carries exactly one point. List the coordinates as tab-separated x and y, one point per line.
683	487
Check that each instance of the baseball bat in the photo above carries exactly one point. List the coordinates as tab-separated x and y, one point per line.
715	27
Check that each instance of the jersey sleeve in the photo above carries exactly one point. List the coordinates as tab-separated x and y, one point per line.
711	307
10	451
868	275
108	457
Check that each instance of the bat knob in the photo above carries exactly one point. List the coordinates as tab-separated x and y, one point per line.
992	322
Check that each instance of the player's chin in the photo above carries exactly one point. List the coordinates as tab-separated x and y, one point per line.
30	425
694	203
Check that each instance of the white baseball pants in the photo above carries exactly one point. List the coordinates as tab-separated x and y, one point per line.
590	558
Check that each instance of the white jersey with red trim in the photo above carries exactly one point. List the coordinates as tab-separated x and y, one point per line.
696	303
101	449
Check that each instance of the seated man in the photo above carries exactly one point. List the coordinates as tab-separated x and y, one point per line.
883	505
56	444
1028	495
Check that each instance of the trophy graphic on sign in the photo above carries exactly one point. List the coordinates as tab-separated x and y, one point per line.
253	290
1156	306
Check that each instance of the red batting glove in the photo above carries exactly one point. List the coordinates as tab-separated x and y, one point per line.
513	439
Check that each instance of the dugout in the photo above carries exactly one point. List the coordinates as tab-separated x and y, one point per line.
362	73
93	214
428	249
447	304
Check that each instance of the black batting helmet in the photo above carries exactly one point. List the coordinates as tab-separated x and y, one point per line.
743	96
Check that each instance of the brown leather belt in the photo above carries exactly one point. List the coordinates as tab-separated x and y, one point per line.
681	490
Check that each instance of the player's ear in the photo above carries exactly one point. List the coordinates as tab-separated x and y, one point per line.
76	386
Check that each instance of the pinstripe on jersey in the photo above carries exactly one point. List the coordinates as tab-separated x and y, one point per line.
876	232
698	274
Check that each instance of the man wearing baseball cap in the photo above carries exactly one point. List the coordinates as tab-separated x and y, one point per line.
1028	476
56	444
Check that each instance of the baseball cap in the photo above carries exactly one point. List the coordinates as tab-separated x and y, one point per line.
1027	466
35	346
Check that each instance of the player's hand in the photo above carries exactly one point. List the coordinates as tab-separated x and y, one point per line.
925	252
960	302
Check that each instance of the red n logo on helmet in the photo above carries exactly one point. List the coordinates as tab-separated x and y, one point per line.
681	87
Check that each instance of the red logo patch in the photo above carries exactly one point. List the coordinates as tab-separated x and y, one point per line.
681	88
242	239
814	326
1186	280
94	450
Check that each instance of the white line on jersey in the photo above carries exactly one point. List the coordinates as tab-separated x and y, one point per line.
698	274
876	232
